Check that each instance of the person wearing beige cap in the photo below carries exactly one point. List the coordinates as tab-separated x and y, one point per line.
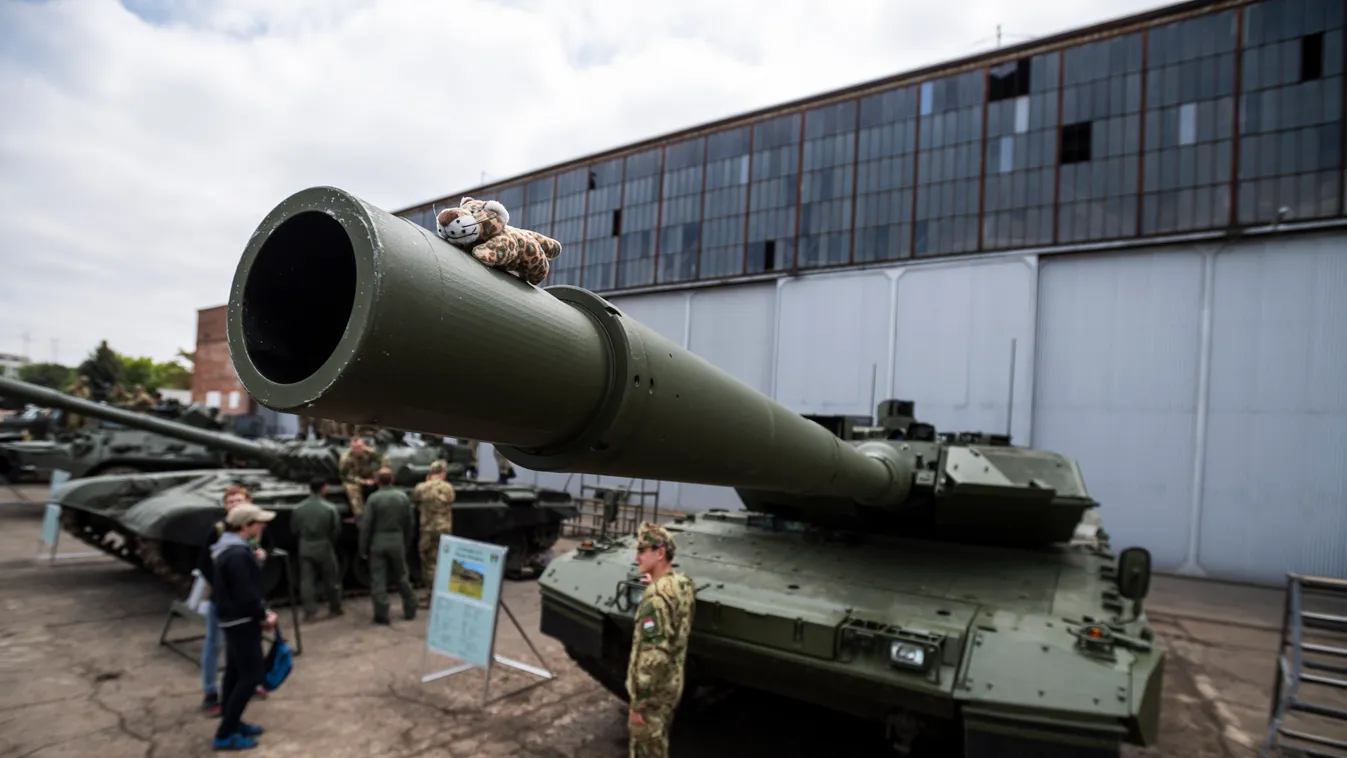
243	613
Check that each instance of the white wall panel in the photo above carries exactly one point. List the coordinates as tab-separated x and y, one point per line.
833	343
1275	479
952	348
1116	387
731	327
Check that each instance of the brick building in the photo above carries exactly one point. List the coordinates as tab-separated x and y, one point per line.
214	382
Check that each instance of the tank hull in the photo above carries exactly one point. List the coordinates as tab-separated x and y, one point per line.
160	522
806	617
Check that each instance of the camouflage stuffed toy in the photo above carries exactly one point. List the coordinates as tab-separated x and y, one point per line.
482	227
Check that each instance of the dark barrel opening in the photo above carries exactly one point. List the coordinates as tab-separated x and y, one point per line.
298	297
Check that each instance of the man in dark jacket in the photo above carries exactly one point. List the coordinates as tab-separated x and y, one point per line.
243	614
385	534
317	525
234	495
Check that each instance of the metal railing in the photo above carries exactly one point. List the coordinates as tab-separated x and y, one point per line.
1318	664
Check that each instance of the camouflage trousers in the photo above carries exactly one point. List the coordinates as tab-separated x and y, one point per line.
355	495
651	739
430	545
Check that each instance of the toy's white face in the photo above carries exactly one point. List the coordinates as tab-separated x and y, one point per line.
461	230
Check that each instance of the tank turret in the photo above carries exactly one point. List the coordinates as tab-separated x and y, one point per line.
944	585
563	381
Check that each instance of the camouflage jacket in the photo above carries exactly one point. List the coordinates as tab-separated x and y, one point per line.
659	645
356	469
435	499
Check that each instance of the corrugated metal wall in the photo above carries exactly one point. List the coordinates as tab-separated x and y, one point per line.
1202	389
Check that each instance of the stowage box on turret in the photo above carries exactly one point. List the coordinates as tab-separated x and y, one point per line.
946	586
158	520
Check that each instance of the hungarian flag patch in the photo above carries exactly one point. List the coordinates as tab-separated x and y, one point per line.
648	625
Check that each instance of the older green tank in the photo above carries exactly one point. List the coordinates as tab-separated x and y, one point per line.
159	520
104	446
951	587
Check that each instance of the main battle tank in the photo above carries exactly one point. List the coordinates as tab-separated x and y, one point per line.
158	520
949	587
108	446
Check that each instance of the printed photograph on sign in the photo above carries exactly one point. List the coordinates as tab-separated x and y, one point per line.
467	578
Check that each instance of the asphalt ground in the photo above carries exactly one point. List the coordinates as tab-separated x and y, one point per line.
82	674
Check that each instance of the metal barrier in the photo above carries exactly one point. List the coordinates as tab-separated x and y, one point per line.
612	511
1296	659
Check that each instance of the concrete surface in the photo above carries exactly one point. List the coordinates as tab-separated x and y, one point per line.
81	674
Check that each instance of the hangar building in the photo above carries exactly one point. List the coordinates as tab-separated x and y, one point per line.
1151	211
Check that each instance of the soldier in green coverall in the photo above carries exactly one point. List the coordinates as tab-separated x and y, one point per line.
385	534
317	525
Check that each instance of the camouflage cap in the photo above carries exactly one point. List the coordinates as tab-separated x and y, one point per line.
439	467
654	535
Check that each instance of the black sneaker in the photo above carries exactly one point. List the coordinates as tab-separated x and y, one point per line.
211	704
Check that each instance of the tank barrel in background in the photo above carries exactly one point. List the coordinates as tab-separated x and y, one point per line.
50	398
342	310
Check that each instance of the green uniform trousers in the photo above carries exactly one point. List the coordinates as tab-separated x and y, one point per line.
651	739
318	567
389	560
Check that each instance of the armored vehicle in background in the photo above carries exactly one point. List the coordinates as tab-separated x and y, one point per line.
158	520
949	587
107	446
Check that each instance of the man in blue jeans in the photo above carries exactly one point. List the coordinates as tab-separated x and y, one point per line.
243	614
210	649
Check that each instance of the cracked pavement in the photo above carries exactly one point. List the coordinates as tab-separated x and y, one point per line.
81	674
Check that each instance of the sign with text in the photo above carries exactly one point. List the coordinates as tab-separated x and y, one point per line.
465	599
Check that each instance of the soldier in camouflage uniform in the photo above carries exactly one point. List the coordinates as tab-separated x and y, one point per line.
80	390
659	644
358	467
434	498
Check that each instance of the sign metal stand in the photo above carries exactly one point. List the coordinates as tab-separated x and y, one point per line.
458	604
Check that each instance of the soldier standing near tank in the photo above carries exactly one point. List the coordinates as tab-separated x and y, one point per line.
358	466
317	525
140	399
81	391
435	499
385	533
659	644
504	469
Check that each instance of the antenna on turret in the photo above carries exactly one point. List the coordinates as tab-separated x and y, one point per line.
1010	401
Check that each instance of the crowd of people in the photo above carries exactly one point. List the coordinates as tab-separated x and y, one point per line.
237	614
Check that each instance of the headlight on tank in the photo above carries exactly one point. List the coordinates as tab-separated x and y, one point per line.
909	655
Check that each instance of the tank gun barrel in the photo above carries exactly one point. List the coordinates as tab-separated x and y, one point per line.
50	398
343	310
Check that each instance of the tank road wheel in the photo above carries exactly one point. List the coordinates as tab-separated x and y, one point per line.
153	559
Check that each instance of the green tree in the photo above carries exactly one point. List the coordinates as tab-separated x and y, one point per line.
52	375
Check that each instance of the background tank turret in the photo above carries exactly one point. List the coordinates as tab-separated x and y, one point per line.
116	441
947	586
159	519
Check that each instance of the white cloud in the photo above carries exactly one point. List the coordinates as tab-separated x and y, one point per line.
137	156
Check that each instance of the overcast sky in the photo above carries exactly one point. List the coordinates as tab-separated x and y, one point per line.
142	141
